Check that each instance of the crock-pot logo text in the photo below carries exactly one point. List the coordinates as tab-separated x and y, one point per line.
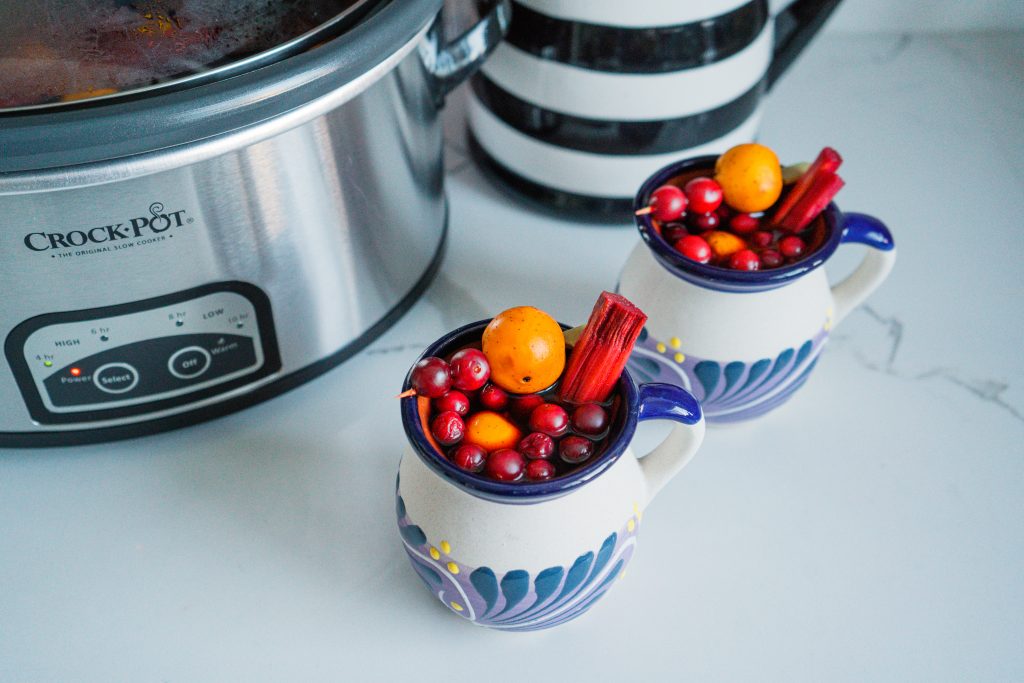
157	222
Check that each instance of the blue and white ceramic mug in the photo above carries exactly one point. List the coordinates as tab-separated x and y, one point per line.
586	98
742	342
526	556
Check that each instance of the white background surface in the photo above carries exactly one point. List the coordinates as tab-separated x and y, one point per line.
869	530
922	15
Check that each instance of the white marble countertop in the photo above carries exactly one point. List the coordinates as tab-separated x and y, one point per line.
872	529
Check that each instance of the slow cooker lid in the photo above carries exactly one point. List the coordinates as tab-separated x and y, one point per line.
89	143
54	53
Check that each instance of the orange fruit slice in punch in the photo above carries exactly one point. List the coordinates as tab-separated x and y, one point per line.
491	431
723	244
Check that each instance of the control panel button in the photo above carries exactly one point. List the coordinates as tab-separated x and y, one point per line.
131	359
115	378
189	362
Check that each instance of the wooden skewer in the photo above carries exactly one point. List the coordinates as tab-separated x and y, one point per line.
407	394
644	211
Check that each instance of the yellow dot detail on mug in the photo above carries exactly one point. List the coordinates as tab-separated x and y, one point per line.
631	524
679	358
674	342
434	554
453	568
661	347
456	606
446	547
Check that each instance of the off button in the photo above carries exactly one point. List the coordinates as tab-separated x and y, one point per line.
115	378
189	362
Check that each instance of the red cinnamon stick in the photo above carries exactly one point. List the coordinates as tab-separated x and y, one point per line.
814	201
598	358
828	161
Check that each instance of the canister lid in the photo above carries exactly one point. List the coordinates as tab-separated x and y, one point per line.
55	53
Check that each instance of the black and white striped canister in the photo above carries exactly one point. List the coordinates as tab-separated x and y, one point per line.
586	98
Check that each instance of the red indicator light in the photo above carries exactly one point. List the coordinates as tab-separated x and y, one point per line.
75	372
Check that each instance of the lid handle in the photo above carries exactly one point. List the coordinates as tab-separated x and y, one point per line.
452	63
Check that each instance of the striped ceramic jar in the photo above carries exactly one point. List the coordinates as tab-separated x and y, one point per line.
586	98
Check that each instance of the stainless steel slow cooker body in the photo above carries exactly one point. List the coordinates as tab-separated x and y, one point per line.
172	258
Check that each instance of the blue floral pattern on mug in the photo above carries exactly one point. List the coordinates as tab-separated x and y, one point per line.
728	390
516	600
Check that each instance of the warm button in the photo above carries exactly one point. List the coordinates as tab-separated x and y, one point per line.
189	362
115	378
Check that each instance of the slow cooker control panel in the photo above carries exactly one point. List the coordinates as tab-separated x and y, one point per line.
143	357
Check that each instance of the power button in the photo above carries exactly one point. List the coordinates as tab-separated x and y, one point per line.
189	362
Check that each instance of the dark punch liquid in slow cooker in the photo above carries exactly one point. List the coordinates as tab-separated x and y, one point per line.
55	51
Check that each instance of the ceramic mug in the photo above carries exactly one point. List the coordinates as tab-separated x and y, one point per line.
742	342
531	555
586	98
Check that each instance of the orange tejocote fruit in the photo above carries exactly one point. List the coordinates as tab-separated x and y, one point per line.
491	431
750	176
723	244
526	349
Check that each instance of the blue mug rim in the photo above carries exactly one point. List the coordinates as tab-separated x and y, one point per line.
520	492
716	277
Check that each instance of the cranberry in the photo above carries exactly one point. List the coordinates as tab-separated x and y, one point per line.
469	457
669	203
537	446
770	258
744	259
550	419
761	239
743	223
470	369
431	377
522	406
673	232
695	248
590	419
448	428
540	470
575	449
455	401
704	221
704	195
505	465
493	397
792	246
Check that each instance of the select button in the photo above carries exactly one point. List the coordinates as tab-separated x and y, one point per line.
189	362
115	378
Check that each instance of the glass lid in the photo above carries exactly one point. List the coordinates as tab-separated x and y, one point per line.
56	52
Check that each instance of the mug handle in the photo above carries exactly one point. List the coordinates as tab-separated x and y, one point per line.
859	228
452	63
795	26
669	402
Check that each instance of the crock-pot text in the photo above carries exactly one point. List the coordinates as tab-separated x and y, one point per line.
154	224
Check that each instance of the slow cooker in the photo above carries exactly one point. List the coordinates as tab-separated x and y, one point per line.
196	214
